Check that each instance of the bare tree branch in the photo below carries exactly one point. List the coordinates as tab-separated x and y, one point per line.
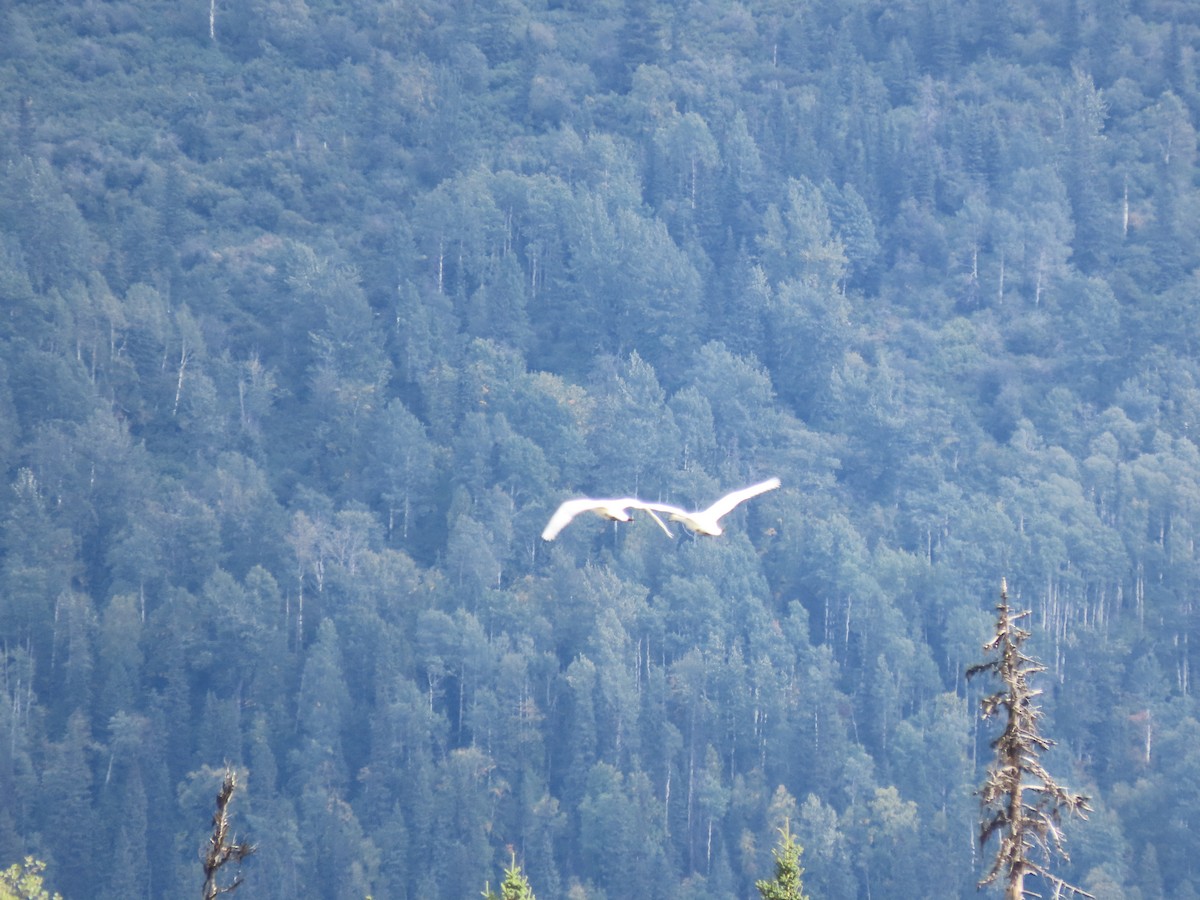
1016	775
221	848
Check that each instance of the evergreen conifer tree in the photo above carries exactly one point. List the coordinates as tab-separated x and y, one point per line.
514	887
787	884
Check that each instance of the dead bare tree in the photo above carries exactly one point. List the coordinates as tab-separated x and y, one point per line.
221	848
1020	801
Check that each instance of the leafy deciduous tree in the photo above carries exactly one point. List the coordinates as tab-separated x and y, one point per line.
23	881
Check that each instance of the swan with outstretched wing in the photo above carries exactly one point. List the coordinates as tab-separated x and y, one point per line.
617	510
705	521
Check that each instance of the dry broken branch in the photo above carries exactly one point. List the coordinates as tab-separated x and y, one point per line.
221	848
1017	774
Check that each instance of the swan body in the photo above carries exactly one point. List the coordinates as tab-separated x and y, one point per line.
617	510
705	521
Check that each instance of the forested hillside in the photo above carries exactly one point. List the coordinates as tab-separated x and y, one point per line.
312	311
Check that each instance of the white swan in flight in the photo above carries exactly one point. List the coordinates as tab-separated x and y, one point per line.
610	509
704	521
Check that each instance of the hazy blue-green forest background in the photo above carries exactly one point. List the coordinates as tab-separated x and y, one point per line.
311	313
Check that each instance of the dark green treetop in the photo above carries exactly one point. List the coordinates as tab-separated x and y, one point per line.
787	884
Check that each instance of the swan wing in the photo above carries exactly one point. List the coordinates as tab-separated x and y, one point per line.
674	513
654	509
567	511
733	498
664	508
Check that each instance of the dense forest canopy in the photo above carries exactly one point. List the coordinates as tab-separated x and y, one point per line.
313	311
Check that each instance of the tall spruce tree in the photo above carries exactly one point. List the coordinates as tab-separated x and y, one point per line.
787	884
514	887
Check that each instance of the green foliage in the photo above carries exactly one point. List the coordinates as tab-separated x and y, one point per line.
787	883
514	887
23	881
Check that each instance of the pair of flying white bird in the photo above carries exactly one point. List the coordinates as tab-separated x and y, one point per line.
704	521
